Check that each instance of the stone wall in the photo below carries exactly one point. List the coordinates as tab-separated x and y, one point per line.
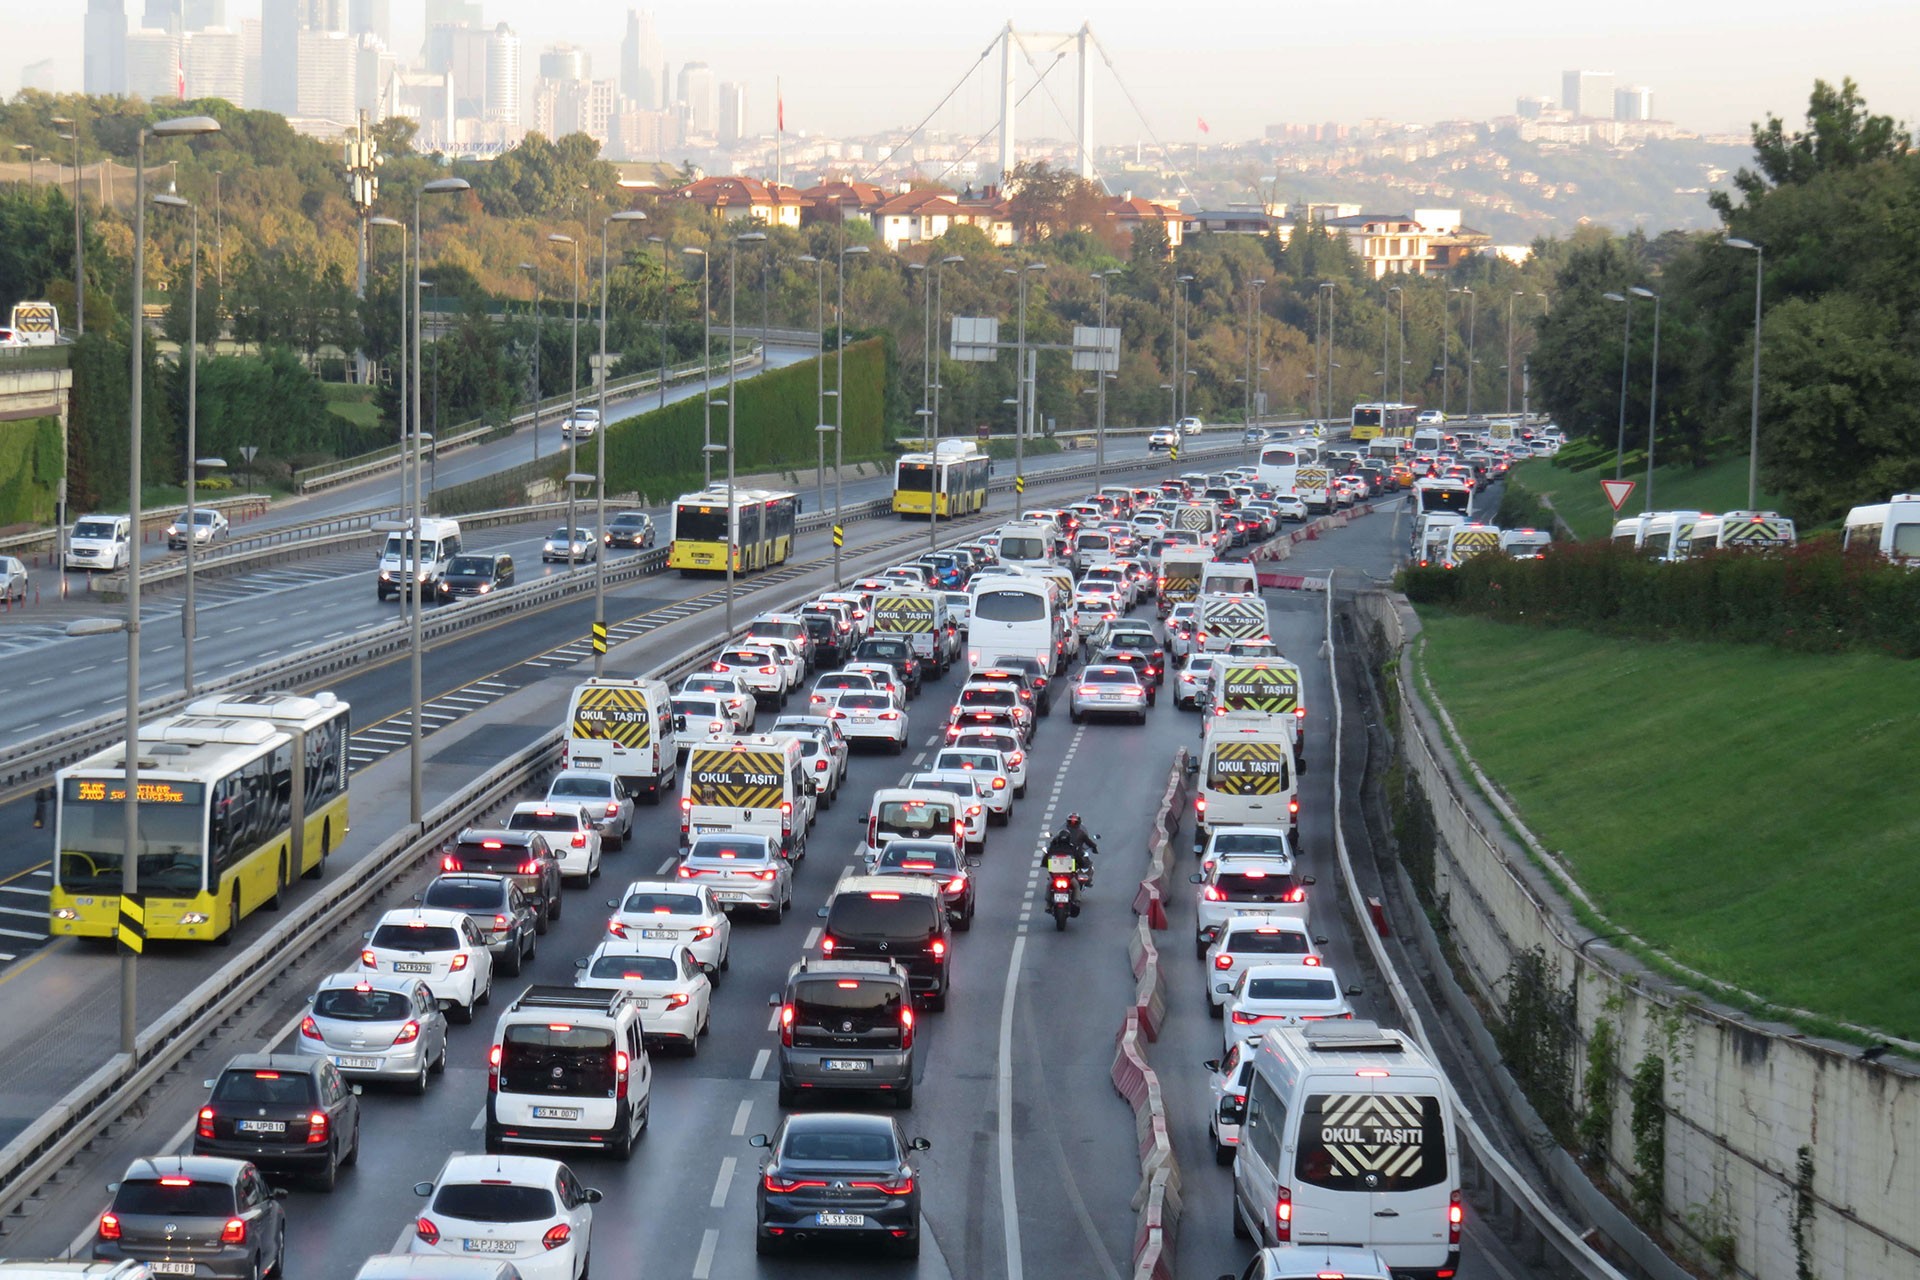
1786	1157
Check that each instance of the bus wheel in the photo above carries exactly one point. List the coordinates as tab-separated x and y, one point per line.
280	880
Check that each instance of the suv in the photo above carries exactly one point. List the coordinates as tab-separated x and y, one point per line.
569	1068
282	1111
505	918
524	855
829	649
892	918
897	653
218	1217
846	1024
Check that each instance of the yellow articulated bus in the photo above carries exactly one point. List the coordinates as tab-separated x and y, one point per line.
237	796
951	482
763	524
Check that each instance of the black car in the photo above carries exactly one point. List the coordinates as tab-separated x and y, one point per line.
892	918
284	1112
195	1215
1025	672
897	653
475	575
846	1025
829	647
1134	634
506	918
941	864
1140	660
630	529
837	1176
524	856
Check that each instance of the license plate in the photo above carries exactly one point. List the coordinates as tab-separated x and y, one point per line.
705	830
846	1064
1061	866
723	895
643	1005
556	1113
487	1245
665	935
261	1126
412	966
863	720
841	1219
357	1064
1062	897
172	1268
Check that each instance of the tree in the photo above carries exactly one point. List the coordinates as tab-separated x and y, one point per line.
1840	134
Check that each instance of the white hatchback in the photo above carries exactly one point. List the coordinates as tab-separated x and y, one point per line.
730	690
759	668
531	1212
440	948
989	768
870	716
671	985
570	830
1283	995
673	911
1246	942
1005	741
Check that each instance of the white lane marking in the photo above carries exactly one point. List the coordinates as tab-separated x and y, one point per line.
1009	1219
703	1265
49	679
741	1117
479	1120
721	1183
773	1018
760	1061
91	665
667	865
813	936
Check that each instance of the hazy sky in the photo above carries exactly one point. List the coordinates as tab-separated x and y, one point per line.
848	67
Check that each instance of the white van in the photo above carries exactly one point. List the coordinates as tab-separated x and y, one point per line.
755	783
1525	544
908	813
100	542
627	728
1028	543
568	1068
1245	776
1228	578
1430	534
439	543
1890	529
1348	1139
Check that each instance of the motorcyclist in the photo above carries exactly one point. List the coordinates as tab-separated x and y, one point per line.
1074	838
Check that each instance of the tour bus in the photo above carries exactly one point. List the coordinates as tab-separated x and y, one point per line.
237	796
949	482
1347	1137
1373	420
1278	463
1890	529
1016	617
763	528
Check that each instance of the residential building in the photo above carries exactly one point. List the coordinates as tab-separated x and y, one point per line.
642	78
987	212
640	134
746	199
1236	222
1387	243
1633	103
1587	94
153	64
841	199
914	217
105	68
696	97
561	107
565	62
1533	108
328	81
503	80
217	65
1127	214
732	124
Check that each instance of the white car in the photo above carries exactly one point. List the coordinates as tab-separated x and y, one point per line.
441	948
13	579
1430	418
1162	438
677	912
742	869
1245	942
580	424
1181	619
1116	575
1227	1083
965	790
531	1212
870	715
208	525
603	795
960	609
1244	885
1005	741
884	675
1091	608
1283	995
990	768
707	717
1195	678
671	985
793	663
979	694
583	544
1267	847
759	668
1190	426
824	752
827	689
1290	508
570	831
732	691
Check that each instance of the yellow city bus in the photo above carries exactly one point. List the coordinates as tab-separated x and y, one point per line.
1373	420
952	482
216	816
763	526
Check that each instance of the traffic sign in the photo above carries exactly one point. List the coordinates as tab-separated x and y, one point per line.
599	637
839	536
1173	453
1616	491
132	930
1019	484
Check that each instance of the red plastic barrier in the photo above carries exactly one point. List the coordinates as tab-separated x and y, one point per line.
1378	911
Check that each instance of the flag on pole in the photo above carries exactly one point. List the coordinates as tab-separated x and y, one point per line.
179	80
1203	125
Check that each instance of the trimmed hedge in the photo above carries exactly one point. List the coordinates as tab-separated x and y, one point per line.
30	464
1810	599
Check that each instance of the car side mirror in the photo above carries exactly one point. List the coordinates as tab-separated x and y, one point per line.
679	724
1309	880
760	1140
112	1188
1224	988
423	1188
356	1090
1354	990
278	1193
581	963
1196	878
1211	1064
614	903
919	1144
367	936
1319	940
206	1084
591	1196
822	913
1193	766
419	897
773	1000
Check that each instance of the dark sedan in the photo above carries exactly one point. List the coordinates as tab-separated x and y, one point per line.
475	575
838	1176
195	1216
282	1111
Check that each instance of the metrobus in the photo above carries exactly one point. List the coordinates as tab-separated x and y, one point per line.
952	481
762	527
1278	462
237	796
1375	419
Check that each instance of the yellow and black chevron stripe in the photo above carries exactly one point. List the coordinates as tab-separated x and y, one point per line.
1250	768
1261	689
1752	533
614	715
1236	621
734	780
897	614
721	795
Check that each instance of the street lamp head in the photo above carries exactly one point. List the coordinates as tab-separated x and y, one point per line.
1036	266
578	477
1395	289
627	215
854	248
1183	279
1614	297
526	266
916	266
693	251
559	237
187	126
952	259
1734	243
713	448
62	121
826	427
1639	292
807	258
440	186
653	239
750	237
382	220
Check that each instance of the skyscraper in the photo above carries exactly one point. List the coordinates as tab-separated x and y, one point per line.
371	18
216	65
281	22
1633	103
201	14
106	47
503	79
164	15
732	123
697	98
1587	93
640	82
565	62
454	13
328	82
153	64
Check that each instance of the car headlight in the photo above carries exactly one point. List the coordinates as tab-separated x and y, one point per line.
193	917
483	588
421	575
386	575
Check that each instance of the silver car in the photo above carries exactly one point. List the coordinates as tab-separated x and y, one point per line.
376	1027
13	579
603	796
583	545
743	870
1109	691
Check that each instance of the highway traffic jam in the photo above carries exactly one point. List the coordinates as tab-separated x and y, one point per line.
1339	1131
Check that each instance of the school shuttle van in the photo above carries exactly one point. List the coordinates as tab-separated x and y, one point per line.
626	728
1890	529
1348	1138
756	783
1246	777
1740	531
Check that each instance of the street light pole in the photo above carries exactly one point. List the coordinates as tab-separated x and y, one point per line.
840	388
1473	349
130	857
1183	343
706	364
188	616
79	244
666	297
570	428
1100	385
1626	349
1653	395
1400	396
933	377
1510	298
733	342
1324	409
600	458
819	266
1753	428
533	307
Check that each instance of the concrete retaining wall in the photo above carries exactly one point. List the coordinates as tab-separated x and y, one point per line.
1743	1099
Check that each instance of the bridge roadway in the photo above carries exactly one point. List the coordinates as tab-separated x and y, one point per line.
1039	1005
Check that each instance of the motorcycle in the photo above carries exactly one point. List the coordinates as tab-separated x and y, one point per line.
1066	877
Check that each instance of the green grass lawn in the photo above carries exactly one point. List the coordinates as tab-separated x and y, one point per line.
354	403
1749	812
1578	499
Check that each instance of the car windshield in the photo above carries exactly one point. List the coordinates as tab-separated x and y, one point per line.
628	520
493	1202
651	902
470	567
966	760
979	697
560	535
635	968
416	937
174	1198
93	529
596	788
344	1004
464	895
264	1088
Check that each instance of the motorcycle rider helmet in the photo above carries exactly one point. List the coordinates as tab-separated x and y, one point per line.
1073	822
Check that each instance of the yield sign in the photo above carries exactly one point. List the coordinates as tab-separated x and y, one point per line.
1616	491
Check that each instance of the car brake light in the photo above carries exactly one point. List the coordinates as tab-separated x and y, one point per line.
235	1232
308	1029
786	808
827	944
367	959
204	1127
1283	1215
459	963
449	863
428	1233
109	1227
407	1034
1247	1019
766	671
1212	894
779	1185
316	1128
1293	807
938	947
819	766
579	840
786	1025
620	1074
1223	961
767	874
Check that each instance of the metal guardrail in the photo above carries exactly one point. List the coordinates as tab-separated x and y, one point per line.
150	519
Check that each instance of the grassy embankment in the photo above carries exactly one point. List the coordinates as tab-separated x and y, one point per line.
1576	496
1747	811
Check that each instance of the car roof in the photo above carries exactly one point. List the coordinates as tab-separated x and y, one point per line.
397	983
199	1168
657	885
423	916
1264	920
526	1171
434	1266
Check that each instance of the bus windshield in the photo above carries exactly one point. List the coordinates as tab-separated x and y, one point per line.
172	840
700	524
917	476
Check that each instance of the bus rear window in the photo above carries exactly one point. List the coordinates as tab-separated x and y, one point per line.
1372	1142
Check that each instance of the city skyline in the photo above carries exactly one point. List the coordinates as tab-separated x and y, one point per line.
1709	76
